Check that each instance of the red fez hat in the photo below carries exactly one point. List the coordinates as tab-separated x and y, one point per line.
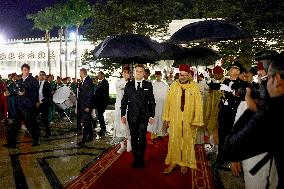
218	70
158	73
184	67
260	66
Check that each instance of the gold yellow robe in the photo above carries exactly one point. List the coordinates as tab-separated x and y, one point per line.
211	110
181	135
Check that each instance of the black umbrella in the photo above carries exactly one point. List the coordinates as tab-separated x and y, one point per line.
171	51
208	31
198	56
129	48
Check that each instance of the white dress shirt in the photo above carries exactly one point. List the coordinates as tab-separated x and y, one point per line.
40	95
136	83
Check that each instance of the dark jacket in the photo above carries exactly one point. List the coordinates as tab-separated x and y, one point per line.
86	92
262	133
139	104
31	87
46	92
101	98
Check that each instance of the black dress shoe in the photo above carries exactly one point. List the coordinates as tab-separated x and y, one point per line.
82	143
134	164
90	139
13	146
35	143
102	133
137	164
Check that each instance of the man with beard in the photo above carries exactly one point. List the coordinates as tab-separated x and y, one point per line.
183	114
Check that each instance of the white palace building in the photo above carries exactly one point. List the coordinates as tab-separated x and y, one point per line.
33	51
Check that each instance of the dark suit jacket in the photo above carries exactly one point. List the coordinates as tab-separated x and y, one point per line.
29	99
46	92
101	98
140	104
86	92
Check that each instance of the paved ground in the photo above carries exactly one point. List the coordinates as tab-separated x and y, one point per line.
58	160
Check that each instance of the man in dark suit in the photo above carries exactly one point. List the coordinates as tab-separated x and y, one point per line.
139	100
27	95
45	100
85	97
101	100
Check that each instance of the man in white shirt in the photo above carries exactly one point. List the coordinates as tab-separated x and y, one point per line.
160	90
45	99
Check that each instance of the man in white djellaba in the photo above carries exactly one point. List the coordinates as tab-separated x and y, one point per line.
160	90
121	131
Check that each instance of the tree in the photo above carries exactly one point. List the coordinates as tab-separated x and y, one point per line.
131	16
146	17
59	21
262	19
79	12
91	63
43	20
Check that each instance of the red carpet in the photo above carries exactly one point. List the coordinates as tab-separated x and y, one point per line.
114	171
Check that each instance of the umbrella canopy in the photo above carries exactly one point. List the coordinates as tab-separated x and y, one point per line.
198	56
208	31
171	51
129	48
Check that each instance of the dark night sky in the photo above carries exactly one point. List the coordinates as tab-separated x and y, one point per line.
13	22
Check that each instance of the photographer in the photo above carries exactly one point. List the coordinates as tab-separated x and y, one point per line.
261	133
27	90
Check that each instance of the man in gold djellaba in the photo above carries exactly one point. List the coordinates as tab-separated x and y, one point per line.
183	115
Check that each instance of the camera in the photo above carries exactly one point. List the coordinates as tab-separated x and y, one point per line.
255	91
20	88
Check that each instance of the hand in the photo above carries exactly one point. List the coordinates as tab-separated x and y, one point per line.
250	101
166	125
86	109
151	121
226	88
38	103
6	93
236	168
21	93
193	127
123	120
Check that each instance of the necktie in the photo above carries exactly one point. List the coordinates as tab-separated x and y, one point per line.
139	86
40	83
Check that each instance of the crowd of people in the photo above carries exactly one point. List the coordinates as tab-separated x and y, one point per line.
235	113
